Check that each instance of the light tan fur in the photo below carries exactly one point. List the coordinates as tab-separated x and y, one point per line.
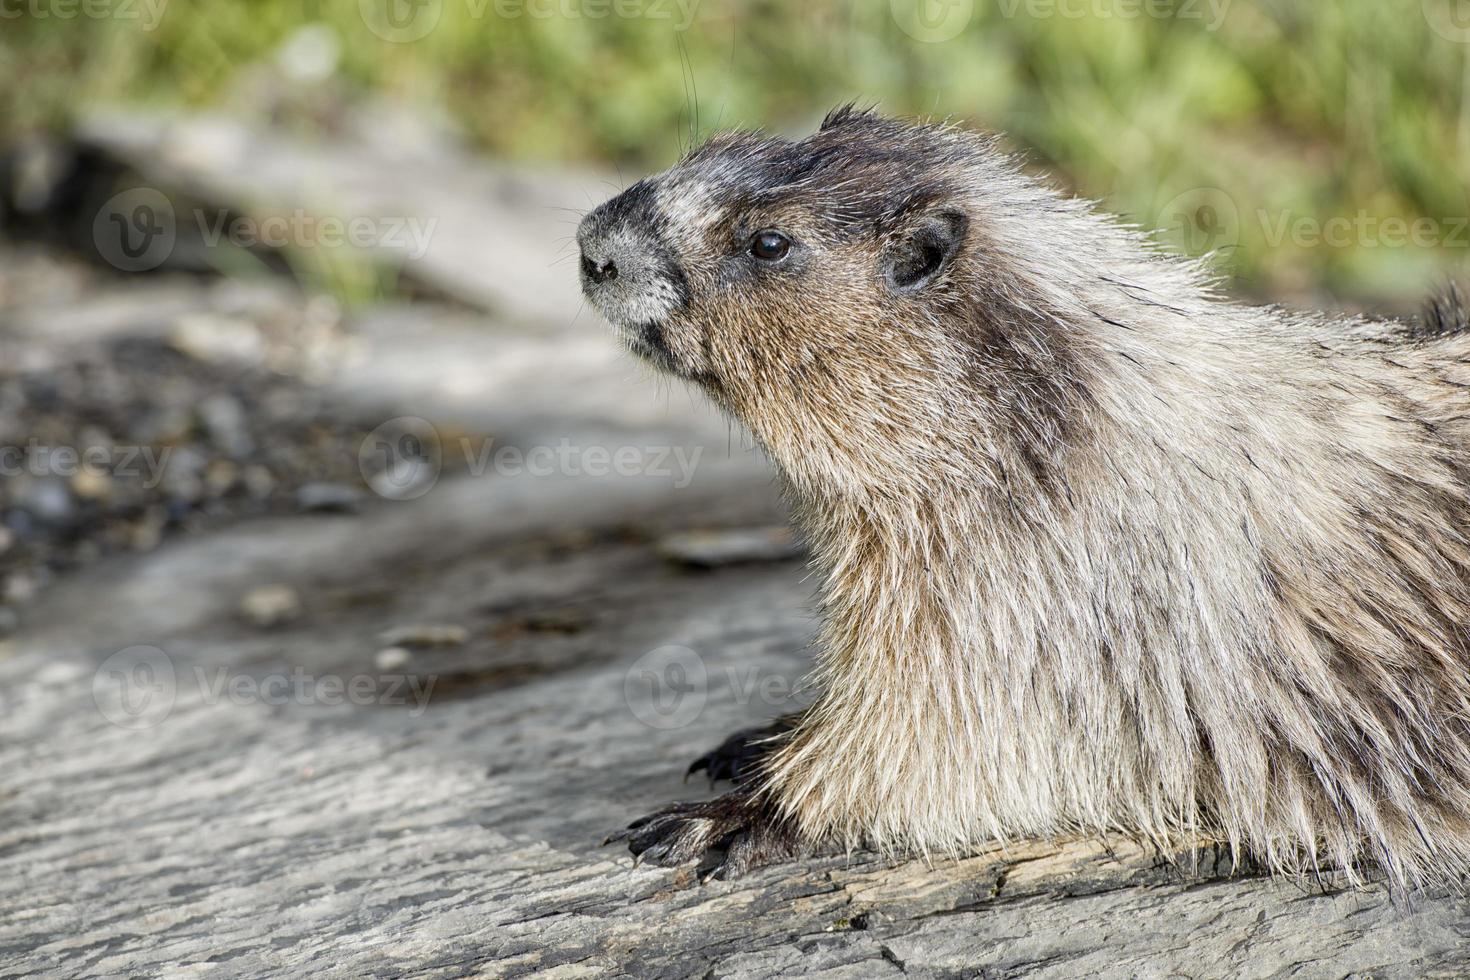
1100	550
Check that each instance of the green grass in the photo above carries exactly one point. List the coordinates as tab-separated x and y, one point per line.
1288	110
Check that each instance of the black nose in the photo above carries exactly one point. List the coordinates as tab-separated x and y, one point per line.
599	272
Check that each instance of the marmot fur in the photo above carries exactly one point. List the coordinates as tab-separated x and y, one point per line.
1100	550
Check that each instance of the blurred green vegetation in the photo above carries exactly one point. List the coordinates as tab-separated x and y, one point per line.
1294	112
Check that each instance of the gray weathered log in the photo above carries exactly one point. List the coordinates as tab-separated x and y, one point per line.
270	824
378	839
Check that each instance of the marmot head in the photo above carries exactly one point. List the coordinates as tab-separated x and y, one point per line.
840	294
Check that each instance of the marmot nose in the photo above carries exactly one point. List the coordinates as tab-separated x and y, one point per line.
599	272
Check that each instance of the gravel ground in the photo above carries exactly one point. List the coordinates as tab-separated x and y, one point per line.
113	442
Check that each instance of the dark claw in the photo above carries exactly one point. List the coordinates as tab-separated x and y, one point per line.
746	830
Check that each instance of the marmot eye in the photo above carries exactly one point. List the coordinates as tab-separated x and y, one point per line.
770	245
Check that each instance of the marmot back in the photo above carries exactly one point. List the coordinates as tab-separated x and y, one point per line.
1100	550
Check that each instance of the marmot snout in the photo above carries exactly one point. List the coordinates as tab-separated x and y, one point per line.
1100	550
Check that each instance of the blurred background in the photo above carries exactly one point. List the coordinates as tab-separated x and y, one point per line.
333	523
1304	110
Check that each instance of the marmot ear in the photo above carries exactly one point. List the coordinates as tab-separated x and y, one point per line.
925	250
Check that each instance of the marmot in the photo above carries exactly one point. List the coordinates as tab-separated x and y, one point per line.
1101	551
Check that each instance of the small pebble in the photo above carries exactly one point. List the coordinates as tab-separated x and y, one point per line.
328	497
217	339
393	658
146	534
224	419
60	673
183	474
271	605
49	500
92	484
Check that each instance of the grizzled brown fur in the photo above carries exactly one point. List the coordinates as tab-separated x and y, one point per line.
1100	550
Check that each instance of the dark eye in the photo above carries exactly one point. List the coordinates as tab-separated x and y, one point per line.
769	246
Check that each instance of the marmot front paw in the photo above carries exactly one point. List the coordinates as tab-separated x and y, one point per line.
747	830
